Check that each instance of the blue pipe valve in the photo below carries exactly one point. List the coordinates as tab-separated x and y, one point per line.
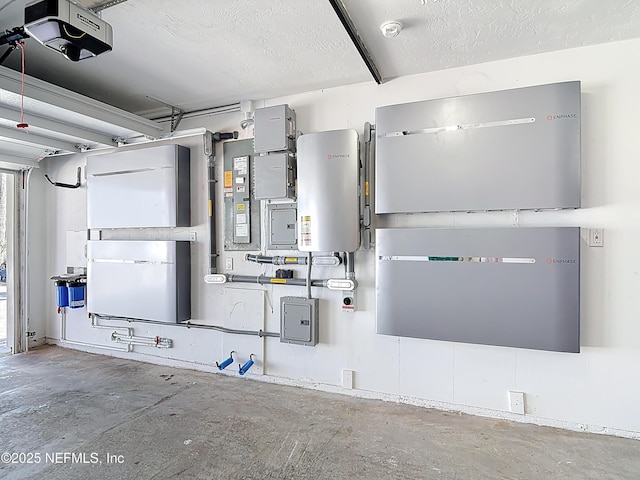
226	363
245	368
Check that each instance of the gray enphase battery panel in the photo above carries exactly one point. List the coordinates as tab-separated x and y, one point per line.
512	149
514	287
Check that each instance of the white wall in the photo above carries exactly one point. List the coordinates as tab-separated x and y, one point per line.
594	390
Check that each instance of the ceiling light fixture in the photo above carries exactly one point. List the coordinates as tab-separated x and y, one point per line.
391	28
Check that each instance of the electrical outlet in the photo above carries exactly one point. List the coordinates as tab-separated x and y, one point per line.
516	402
228	264
193	237
347	379
596	237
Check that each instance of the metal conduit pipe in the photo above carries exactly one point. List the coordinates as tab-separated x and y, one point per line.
366	214
308	278
259	333
350	266
276	260
210	140
264	280
322	260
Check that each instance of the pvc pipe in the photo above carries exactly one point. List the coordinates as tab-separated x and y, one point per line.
64	341
156	342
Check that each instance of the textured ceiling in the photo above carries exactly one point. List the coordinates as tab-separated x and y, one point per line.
204	53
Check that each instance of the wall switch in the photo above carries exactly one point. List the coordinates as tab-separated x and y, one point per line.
228	264
516	402
347	379
596	237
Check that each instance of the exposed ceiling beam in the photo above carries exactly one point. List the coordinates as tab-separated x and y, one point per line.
34	139
15	160
58	127
348	25
49	94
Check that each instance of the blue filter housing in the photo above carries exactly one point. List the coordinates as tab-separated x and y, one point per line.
62	293
76	294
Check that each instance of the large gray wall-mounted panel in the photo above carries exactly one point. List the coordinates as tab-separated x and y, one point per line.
513	149
149	280
146	187
516	287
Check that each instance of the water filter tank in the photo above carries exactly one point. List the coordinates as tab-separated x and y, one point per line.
62	293
328	192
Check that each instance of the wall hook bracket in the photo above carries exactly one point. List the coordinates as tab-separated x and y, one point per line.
245	368
65	185
226	363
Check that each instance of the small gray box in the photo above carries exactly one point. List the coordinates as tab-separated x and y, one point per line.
274	176
274	129
299	320
282	233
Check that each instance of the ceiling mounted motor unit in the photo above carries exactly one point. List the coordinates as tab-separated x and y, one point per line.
68	28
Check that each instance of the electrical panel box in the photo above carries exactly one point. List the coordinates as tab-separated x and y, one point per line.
282	226
149	280
274	176
512	287
329	191
512	149
147	187
299	320
274	129
241	211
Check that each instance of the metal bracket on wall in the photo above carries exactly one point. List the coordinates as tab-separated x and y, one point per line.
65	185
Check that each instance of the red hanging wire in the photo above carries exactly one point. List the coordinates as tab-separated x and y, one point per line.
22	124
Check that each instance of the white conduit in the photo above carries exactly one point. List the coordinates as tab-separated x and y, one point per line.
64	341
128	339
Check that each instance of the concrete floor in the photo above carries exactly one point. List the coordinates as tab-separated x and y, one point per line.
158	422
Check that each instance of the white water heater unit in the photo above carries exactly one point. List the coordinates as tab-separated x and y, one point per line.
328	192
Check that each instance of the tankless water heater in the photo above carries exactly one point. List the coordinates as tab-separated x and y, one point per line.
328	187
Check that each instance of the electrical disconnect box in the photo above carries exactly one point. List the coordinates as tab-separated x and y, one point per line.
299	320
281	226
274	129
274	176
241	212
275	140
